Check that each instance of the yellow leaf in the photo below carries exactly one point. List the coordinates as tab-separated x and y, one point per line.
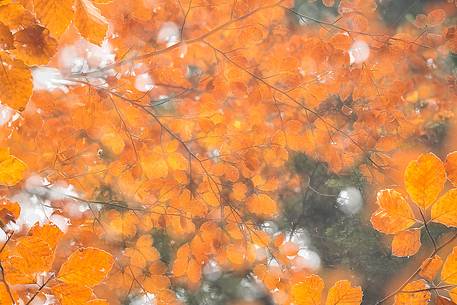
15	82
308	292
343	294
55	15
406	243
86	265
424	179
11	168
411	296
449	271
72	294
445	209
394	213
90	23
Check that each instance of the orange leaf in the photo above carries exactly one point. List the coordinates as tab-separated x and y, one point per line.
406	243
440	300
56	15
328	3
262	206
15	16
444	211
86	265
50	233
143	252
5	298
15	82
412	297
6	38
113	141
436	17
72	294
37	254
17	271
34	45
9	211
309	291
451	167
394	214
449	271
430	267
424	179
90	23
97	302
343	294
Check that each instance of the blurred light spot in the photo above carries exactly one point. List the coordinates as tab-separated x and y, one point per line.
350	200
359	52
144	83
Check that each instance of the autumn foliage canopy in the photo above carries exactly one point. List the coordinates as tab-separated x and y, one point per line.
144	142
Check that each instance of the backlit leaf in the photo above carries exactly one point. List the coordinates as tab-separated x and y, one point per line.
411	296
308	292
86	265
451	167
449	271
55	15
15	82
90	23
34	46
72	294
406	243
342	293
394	213
430	267
11	168
444	211
424	179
